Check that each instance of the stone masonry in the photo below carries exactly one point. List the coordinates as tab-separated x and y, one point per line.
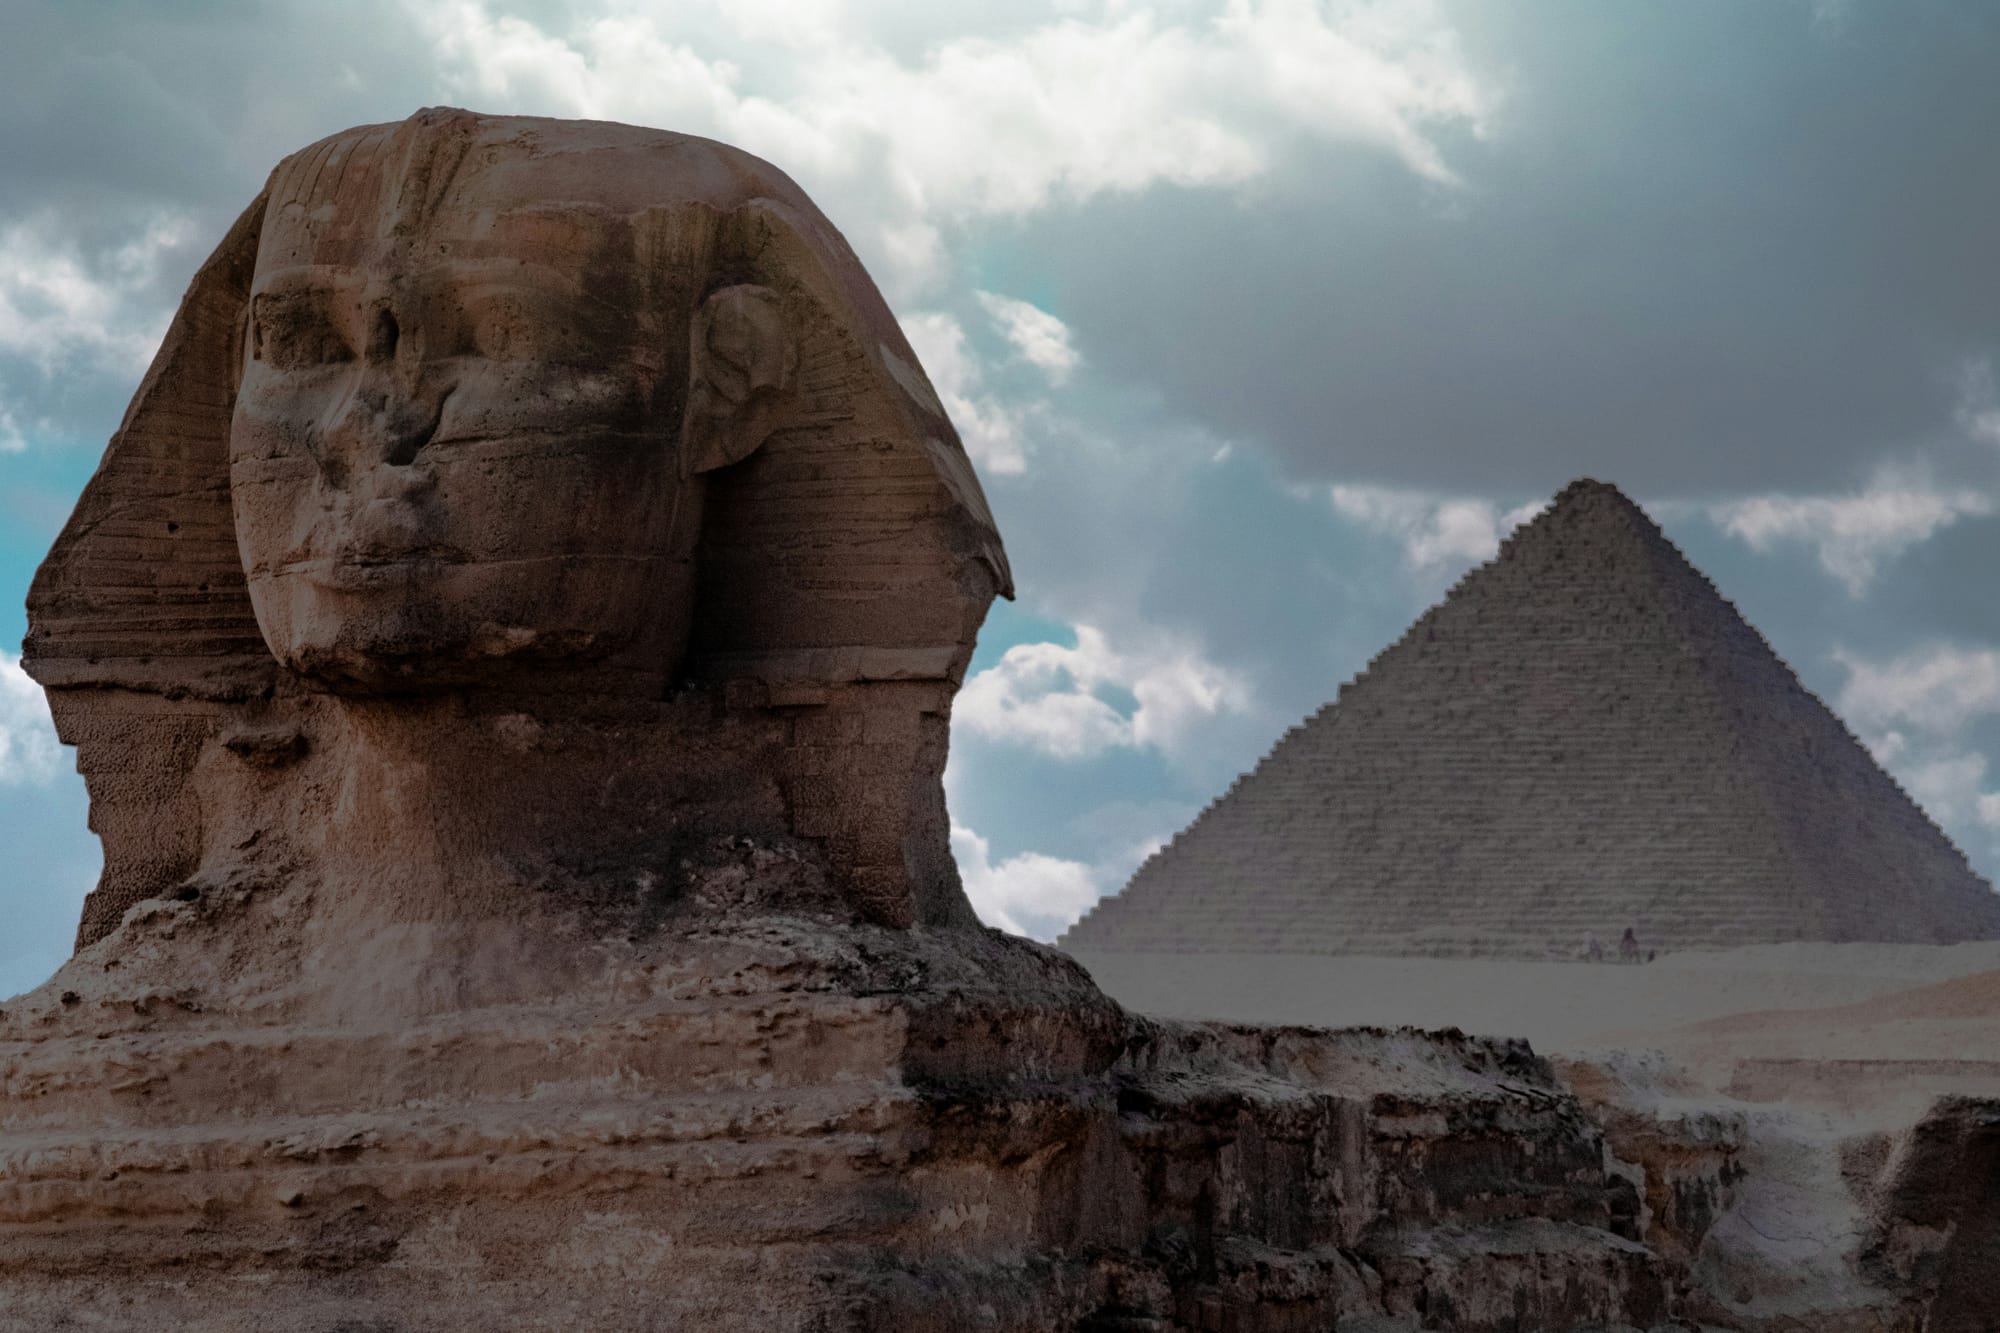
1582	738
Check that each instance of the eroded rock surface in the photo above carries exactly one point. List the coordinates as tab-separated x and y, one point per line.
728	1120
1806	1131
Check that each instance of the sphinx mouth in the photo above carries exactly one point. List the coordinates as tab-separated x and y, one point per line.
371	566
423	555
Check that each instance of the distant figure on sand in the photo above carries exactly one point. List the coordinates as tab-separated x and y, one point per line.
1594	950
1628	947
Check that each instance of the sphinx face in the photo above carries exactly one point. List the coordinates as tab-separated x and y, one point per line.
452	460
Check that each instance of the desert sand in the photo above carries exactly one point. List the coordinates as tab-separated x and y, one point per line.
1873	1031
1850	1001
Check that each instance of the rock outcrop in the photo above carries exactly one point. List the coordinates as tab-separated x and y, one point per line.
1582	743
768	1123
1808	1132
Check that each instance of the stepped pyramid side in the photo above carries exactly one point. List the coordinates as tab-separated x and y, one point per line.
1581	738
1876	867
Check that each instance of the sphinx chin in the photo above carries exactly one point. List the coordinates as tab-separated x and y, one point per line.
369	667
423	626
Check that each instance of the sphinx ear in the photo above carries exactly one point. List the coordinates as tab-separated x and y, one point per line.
743	358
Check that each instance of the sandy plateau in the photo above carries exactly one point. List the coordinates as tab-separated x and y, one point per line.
1880	1004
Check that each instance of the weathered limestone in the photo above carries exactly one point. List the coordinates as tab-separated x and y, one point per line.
509	644
1582	739
770	1123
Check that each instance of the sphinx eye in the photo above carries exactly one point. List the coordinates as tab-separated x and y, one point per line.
294	332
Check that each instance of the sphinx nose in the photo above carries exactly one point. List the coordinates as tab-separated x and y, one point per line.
378	423
390	411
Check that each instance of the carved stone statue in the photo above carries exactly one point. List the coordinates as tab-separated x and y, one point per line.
517	499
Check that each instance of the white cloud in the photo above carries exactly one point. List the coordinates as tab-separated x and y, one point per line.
1174	691
1048	697
1887	747
1983	425
12	440
1947	785
1978	411
1938	689
1912	710
29	750
1438	533
1028	894
1041	339
1041	896
1038	695
1056	110
62	308
1941	776
989	429
1382	74
1853	534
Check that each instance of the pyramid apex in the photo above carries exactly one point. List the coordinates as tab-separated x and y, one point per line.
1586	503
1585	488
1596	505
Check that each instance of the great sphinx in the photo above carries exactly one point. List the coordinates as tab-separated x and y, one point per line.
510	644
516	499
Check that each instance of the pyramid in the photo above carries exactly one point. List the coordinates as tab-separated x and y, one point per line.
1582	738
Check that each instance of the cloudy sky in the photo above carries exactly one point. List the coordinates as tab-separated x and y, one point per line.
1263	319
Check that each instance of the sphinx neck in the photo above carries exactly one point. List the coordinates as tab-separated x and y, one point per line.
462	808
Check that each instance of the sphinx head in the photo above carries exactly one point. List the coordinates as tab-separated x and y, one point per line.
480	385
558	413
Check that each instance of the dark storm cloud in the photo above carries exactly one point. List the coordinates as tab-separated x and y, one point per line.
1708	247
123	116
187	103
